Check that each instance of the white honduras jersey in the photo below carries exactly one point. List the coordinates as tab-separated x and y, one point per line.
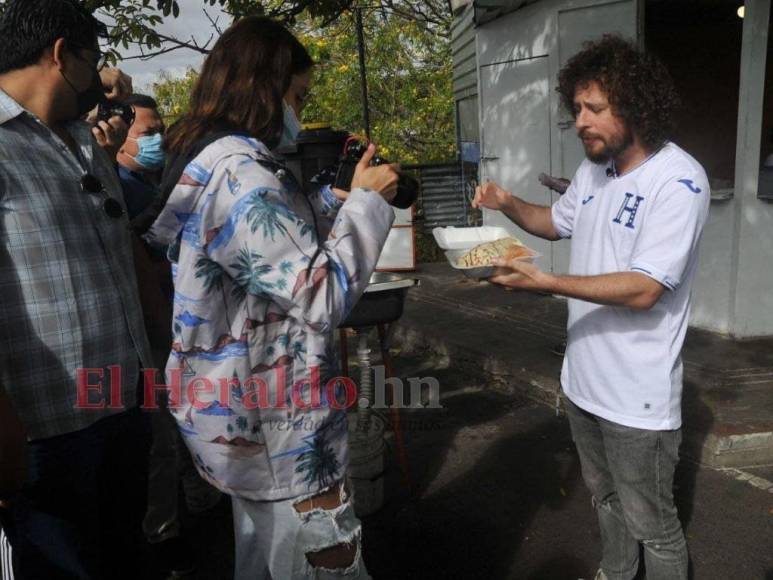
622	364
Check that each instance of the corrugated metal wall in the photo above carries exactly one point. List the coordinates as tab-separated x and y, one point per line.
491	10
463	51
445	193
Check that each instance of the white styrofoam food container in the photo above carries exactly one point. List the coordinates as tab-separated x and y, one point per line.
453	238
456	242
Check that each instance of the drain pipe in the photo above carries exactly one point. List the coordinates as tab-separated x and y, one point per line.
366	383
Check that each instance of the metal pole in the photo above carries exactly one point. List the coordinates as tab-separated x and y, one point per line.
363	78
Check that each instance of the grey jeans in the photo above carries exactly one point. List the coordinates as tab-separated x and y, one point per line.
630	473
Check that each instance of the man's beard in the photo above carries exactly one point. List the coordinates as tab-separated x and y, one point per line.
612	148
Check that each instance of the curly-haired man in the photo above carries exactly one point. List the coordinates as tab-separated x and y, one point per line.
634	210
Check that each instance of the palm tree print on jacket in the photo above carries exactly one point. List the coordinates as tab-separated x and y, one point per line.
249	275
212	275
210	272
318	461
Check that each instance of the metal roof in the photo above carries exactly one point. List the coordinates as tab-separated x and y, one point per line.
488	10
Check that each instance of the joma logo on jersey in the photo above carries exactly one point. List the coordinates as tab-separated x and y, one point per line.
629	207
688	183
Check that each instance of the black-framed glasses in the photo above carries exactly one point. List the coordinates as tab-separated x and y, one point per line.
101	61
111	207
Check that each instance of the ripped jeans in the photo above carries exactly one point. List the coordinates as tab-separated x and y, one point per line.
274	539
630	473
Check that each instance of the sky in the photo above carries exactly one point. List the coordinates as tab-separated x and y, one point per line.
191	22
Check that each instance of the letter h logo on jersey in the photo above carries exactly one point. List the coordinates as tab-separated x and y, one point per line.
630	209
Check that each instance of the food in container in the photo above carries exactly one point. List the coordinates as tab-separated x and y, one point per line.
459	241
484	254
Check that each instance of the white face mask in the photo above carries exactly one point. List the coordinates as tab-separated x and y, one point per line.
292	127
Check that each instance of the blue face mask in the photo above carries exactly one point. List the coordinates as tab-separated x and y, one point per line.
292	127
151	153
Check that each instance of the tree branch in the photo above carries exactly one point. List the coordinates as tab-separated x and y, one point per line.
214	22
148	55
193	45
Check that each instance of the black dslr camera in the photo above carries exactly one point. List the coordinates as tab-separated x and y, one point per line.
108	109
407	186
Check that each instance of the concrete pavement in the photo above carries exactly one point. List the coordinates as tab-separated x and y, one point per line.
498	495
497	490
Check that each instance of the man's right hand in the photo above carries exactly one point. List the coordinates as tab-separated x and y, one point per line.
491	196
116	83
380	178
110	134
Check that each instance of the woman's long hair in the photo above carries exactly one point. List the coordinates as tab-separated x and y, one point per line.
242	83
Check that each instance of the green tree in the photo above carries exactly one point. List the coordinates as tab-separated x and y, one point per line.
173	94
409	62
409	72
135	22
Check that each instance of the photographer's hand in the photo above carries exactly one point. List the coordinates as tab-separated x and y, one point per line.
111	135
116	83
380	178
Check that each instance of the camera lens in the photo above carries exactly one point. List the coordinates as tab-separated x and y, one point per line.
407	192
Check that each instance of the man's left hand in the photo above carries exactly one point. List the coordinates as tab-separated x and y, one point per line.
520	275
111	135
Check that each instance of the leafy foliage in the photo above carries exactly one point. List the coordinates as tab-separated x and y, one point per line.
409	72
408	62
173	94
135	22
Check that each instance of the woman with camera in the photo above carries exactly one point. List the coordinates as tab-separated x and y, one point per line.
259	291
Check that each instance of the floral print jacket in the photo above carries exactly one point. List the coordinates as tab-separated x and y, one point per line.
263	275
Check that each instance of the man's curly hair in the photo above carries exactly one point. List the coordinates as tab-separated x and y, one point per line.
638	86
